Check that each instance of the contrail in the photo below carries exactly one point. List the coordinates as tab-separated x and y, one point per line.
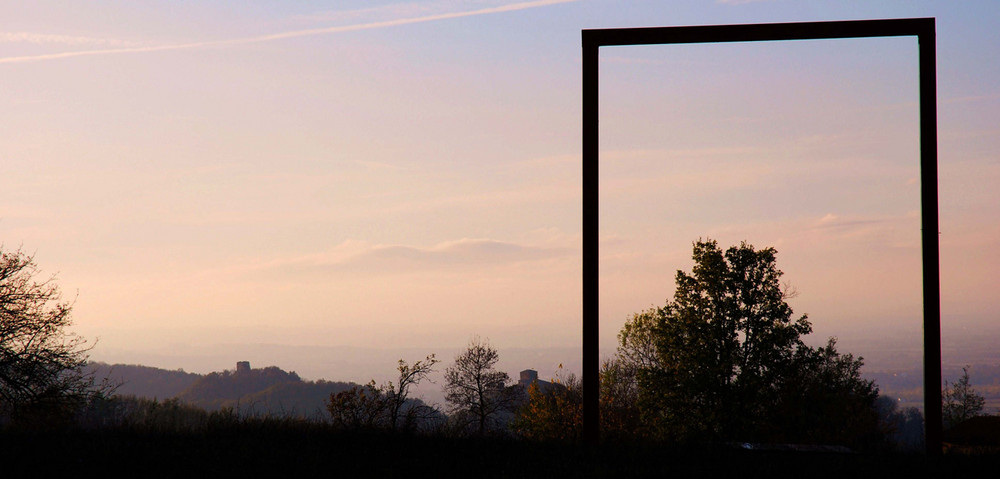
280	36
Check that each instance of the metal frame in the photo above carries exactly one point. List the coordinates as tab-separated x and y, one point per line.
922	28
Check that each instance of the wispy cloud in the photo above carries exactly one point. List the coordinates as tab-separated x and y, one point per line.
67	40
831	221
466	251
290	34
418	8
358	257
852	230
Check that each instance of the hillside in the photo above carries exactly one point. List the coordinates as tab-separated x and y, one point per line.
302	399
269	390
144	381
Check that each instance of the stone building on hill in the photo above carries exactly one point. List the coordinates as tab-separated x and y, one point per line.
529	376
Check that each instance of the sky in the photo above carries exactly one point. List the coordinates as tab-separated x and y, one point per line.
392	175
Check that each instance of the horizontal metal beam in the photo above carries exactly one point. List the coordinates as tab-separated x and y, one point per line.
761	32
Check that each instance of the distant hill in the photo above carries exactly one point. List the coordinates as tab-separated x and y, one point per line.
304	398
144	381
269	390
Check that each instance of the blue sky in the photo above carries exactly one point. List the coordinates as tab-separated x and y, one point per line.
407	173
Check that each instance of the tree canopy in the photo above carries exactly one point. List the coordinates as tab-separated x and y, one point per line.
725	359
959	400
42	372
477	392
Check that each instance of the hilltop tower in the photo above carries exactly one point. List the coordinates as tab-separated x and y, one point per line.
242	367
528	376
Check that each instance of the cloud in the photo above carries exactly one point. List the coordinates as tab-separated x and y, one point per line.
835	223
290	34
360	257
465	251
869	231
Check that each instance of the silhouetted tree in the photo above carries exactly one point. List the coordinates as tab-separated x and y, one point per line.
822	399
398	394
42	374
903	428
475	389
637	341
620	416
387	406
360	407
729	359
619	375
960	401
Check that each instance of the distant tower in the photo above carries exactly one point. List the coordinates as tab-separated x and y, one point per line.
528	376
242	367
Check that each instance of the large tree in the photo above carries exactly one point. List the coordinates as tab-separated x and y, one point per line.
477	392
729	358
41	363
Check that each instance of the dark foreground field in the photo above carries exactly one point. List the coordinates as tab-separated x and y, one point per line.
258	452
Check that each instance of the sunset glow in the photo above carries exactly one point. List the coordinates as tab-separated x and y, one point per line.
407	174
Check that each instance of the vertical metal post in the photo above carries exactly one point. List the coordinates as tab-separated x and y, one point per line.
591	350
930	228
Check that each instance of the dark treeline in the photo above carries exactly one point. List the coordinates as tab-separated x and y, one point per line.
721	368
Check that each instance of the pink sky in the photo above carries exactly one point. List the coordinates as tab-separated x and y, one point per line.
408	174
